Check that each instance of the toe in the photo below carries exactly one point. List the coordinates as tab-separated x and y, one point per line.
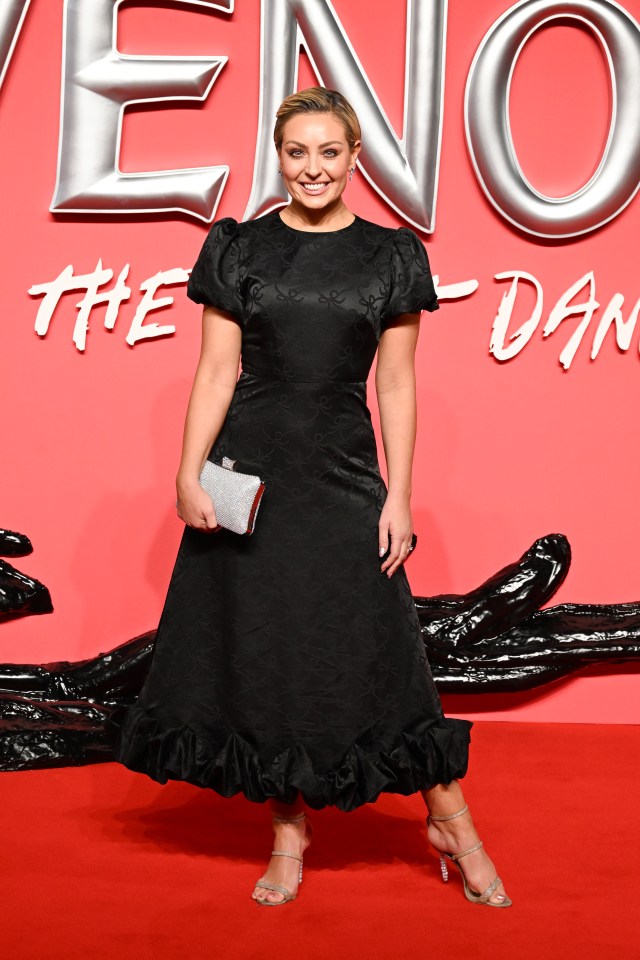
499	896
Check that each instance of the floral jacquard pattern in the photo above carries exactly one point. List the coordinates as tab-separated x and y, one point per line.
285	662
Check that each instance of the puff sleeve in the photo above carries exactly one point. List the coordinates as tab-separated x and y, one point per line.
215	278
411	286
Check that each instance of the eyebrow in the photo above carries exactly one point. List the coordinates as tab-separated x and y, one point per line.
328	142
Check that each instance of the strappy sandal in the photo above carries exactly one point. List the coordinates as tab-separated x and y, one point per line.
279	888
470	894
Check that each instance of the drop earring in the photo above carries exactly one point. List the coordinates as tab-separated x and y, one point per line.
351	172
280	172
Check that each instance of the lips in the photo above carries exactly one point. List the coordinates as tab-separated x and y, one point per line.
314	188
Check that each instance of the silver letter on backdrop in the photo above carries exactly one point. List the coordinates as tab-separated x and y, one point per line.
404	172
486	110
97	84
12	14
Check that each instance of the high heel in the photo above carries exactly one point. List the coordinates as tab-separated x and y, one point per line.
279	888
470	894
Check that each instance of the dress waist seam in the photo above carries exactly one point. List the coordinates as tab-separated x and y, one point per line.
261	376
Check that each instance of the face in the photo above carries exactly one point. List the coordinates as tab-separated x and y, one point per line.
315	160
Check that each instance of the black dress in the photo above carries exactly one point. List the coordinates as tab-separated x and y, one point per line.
284	660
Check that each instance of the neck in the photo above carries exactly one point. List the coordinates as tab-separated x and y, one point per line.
331	217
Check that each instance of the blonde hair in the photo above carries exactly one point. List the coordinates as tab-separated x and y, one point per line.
317	100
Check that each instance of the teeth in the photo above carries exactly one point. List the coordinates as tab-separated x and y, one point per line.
314	187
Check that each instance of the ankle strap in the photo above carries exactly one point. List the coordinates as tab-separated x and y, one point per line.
285	853
476	846
451	816
289	819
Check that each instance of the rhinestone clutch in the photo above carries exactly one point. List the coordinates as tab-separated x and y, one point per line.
236	496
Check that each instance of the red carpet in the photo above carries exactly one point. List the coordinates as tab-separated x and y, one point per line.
103	863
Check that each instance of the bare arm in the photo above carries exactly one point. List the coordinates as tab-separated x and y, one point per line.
396	392
213	386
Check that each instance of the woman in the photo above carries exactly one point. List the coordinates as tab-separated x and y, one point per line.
286	667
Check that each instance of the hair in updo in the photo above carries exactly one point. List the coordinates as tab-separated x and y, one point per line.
317	100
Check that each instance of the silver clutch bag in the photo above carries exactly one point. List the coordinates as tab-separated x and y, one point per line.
236	496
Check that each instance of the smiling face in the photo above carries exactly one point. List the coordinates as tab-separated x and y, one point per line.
315	161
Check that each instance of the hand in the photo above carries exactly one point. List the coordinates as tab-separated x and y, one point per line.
395	530
195	508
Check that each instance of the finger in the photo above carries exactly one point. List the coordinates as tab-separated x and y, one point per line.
394	552
383	540
197	522
399	557
210	520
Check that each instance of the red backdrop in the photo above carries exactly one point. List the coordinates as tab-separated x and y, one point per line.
506	452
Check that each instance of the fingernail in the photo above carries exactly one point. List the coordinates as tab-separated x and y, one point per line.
381	551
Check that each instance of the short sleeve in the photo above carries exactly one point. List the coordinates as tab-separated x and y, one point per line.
215	278
411	286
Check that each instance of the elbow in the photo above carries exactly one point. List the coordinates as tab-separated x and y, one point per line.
221	376
397	379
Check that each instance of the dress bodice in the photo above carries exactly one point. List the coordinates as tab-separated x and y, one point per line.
312	305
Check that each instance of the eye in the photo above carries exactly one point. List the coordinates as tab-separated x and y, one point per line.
330	152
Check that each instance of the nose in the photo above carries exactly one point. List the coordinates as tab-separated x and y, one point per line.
313	167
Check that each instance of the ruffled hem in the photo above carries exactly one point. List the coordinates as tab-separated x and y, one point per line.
432	751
